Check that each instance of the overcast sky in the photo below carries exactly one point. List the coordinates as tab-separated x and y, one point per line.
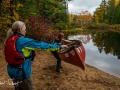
76	6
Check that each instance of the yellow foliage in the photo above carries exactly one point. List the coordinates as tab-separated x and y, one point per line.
5	21
10	15
117	2
18	6
71	17
99	14
16	16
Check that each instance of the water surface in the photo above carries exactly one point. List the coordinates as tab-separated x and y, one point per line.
102	50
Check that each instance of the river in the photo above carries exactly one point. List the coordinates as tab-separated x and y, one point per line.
102	50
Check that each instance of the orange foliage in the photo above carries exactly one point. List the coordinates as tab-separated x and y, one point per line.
85	17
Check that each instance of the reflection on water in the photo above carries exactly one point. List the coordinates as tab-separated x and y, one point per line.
102	50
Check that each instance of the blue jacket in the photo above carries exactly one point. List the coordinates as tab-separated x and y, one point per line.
25	47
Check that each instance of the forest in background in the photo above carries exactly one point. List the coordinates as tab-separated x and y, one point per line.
45	18
40	16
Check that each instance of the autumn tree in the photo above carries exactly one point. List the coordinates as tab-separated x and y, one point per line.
108	13
85	17
8	13
40	16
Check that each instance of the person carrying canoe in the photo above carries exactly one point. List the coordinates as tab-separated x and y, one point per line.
59	41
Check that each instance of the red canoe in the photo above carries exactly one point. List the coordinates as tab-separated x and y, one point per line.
74	55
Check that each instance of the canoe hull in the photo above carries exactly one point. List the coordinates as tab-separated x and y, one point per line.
75	56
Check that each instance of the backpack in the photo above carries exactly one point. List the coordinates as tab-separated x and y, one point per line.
11	55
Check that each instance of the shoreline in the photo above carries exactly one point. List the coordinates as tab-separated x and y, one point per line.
103	71
70	78
118	76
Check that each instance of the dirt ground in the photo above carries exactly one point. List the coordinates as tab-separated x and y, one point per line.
70	78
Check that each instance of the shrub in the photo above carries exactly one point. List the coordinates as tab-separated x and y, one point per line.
40	30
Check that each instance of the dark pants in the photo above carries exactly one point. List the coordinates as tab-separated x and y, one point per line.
58	60
23	84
